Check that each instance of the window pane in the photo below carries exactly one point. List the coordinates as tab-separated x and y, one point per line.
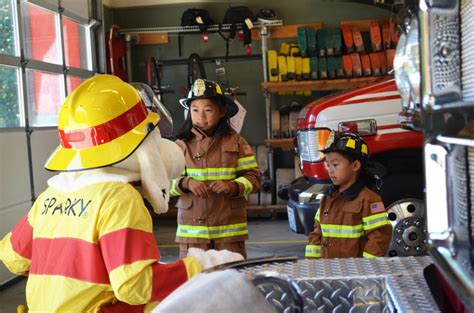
41	38
73	82
9	104
7	30
75	47
45	96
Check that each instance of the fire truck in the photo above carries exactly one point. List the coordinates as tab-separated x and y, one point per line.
373	112
434	73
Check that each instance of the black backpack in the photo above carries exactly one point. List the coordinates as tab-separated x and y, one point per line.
239	15
196	17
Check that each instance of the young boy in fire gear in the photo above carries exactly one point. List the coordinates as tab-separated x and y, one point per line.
351	220
220	172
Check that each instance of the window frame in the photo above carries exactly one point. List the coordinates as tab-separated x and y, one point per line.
22	64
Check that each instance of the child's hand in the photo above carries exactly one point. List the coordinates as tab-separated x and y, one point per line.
198	188
220	186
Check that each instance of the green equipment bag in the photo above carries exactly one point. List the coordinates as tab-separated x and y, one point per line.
313	64
322	43
302	41
322	68
311	41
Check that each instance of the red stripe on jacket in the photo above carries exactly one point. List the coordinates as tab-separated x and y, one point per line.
166	278
22	236
120	247
69	257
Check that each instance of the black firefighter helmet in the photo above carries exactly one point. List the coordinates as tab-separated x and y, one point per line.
354	145
207	89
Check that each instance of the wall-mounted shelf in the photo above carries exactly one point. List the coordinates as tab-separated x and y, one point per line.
284	31
280	142
333	84
160	35
177	30
362	25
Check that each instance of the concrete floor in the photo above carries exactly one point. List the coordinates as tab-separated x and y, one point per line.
269	236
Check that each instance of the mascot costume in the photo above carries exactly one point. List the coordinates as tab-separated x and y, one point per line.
87	243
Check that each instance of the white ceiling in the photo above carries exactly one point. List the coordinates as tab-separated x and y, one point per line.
140	3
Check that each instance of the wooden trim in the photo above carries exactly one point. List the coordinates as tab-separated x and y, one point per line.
334	84
280	142
151	39
284	31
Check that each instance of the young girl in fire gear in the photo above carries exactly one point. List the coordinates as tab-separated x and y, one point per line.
351	220
220	172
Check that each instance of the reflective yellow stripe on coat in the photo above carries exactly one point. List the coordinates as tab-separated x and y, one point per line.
174	191
342	231
211	173
313	251
368	255
246	163
374	221
248	187
212	232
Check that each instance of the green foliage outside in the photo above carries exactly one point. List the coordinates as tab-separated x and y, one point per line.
9	111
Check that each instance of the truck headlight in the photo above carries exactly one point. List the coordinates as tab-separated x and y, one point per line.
311	142
411	66
401	78
407	64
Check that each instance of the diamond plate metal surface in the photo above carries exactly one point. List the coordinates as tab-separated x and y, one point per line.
467	48
353	285
446	68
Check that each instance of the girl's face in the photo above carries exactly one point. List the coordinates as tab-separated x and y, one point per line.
342	172
206	114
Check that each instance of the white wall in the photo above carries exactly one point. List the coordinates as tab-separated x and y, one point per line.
15	191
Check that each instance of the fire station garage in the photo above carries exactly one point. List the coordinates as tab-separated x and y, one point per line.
236	156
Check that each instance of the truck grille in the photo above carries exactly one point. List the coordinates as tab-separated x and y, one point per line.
467	51
471	178
460	191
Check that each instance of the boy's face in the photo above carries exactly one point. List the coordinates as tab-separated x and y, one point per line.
342	172
206	114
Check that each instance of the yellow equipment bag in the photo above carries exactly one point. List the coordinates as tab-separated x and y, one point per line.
272	65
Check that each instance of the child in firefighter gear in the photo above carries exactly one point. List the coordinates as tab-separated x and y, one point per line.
351	220
220	171
87	243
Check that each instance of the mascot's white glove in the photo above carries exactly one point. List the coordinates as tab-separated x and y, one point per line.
211	258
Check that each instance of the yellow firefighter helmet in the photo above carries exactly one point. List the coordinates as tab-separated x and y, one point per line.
101	123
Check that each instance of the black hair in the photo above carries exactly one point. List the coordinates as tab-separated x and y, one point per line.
351	157
223	127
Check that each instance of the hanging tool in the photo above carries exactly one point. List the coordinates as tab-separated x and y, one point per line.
221	75
117	52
